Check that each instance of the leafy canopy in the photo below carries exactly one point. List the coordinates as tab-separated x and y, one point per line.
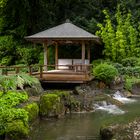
120	40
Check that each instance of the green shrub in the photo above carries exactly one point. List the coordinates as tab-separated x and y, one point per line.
100	61
11	117
33	111
50	105
131	71
17	130
119	67
105	72
129	81
130	61
13	98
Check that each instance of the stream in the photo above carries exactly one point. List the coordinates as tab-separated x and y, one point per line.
86	126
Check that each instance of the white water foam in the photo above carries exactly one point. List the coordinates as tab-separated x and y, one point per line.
111	109
119	96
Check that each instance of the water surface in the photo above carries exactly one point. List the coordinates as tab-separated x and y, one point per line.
82	126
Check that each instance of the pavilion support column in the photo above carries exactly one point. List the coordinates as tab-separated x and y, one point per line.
88	53
83	55
56	56
83	52
45	56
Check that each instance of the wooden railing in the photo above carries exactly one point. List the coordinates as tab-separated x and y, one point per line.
40	69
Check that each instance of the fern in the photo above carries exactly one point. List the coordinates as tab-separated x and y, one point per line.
14	81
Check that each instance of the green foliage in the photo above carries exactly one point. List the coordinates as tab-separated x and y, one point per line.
105	72
17	130
130	71
75	104
13	98
8	52
50	105
61	93
19	18
29	54
14	121
7	82
129	81
100	61
119	67
120	40
131	61
14	81
33	111
10	114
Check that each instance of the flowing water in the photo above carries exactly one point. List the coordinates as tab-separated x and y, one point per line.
85	126
120	97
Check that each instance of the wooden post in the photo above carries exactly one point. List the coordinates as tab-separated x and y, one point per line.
83	56
45	56
56	56
41	72
30	70
83	52
88	51
17	70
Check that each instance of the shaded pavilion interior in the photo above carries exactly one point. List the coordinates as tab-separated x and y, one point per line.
65	70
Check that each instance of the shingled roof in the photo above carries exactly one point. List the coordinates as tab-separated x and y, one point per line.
63	32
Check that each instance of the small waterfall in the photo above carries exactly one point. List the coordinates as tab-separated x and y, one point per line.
111	109
120	97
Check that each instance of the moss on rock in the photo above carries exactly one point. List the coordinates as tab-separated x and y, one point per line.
50	105
16	130
33	111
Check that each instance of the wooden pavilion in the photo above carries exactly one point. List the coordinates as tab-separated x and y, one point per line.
65	70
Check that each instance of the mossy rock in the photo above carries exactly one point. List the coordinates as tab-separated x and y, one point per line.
107	132
109	99
33	111
50	105
16	130
75	104
61	93
35	90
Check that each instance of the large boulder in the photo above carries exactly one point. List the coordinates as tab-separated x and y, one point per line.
35	90
136	88
50	105
117	83
107	132
83	95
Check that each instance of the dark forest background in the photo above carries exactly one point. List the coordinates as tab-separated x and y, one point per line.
20	18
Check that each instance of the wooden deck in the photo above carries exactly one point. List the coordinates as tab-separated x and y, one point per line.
51	73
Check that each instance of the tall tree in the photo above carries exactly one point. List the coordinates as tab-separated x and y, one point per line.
121	39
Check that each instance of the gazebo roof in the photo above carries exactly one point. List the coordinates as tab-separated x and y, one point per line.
65	31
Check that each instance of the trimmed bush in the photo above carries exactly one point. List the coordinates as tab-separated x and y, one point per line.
50	105
33	111
105	72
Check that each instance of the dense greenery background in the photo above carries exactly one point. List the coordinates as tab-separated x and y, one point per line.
19	18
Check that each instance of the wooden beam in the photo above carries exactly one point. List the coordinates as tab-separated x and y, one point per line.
56	55
83	52
88	51
45	56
